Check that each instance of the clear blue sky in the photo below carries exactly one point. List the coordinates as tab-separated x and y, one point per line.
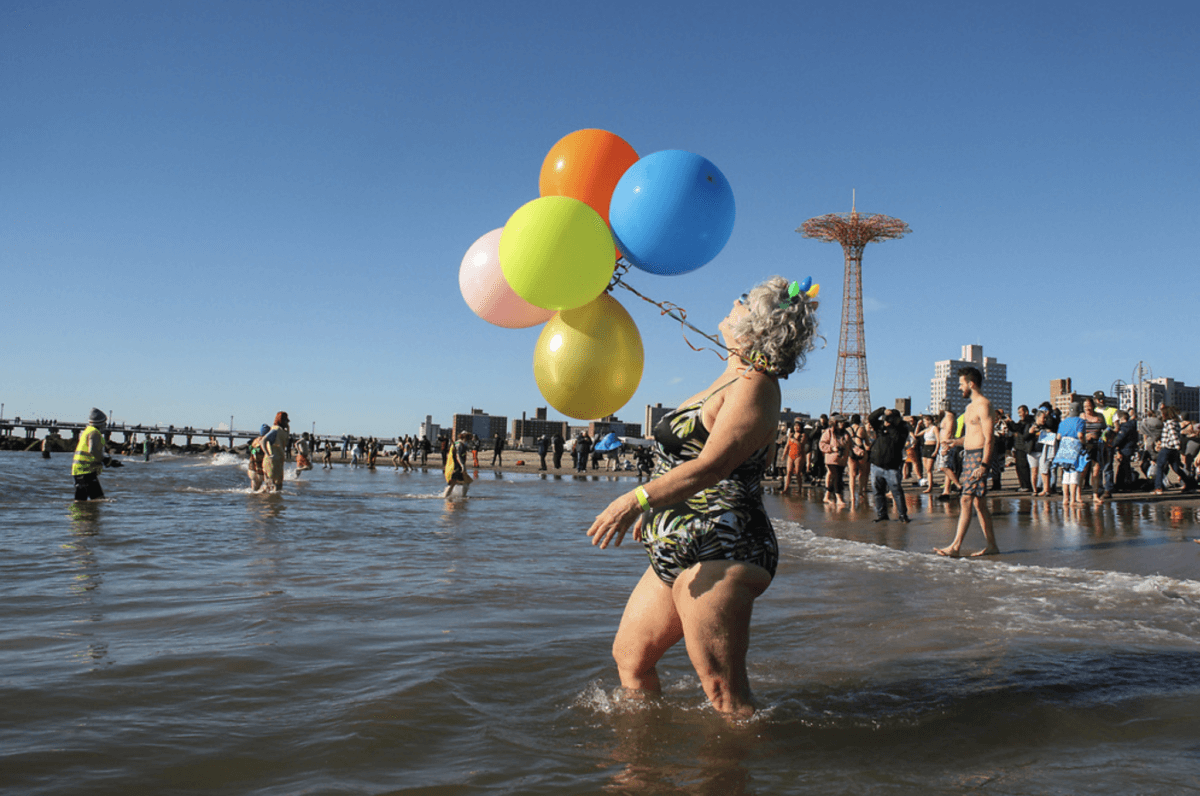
212	209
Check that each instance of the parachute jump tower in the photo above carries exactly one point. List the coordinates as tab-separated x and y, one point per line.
851	391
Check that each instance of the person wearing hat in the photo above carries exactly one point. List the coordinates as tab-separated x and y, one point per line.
89	458
1109	412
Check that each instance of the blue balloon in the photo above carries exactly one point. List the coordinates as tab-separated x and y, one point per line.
671	212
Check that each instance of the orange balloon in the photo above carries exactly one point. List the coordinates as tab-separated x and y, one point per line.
586	165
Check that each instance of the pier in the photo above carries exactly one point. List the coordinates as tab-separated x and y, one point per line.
130	434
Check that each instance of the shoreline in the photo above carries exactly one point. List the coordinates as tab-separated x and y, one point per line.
772	484
528	463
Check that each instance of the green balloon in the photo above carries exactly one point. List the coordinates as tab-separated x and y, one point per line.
557	253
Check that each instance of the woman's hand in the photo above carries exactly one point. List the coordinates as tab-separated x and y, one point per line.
612	523
638	525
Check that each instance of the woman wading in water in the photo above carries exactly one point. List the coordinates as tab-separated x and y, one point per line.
711	546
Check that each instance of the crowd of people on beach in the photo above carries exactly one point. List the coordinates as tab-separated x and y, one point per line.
1113	450
617	455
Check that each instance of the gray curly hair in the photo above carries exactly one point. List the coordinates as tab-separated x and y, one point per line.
776	338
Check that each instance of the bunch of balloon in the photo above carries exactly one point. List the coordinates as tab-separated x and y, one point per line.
670	212
553	261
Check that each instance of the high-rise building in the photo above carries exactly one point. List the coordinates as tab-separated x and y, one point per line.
527	432
611	425
654	414
1060	395
482	425
1160	392
943	388
429	429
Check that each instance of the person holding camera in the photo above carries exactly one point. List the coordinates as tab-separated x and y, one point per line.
887	459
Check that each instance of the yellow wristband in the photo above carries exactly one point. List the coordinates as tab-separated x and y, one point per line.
642	498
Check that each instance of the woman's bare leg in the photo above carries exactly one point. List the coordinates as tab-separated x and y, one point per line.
714	601
852	467
649	627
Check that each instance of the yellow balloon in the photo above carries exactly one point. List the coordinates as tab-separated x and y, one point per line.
557	253
588	361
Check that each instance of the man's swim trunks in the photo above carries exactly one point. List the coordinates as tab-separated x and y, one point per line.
726	522
974	483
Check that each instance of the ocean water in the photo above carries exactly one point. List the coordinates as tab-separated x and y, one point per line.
358	634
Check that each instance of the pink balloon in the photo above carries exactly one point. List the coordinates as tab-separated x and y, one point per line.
487	292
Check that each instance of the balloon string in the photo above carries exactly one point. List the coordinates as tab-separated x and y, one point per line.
669	309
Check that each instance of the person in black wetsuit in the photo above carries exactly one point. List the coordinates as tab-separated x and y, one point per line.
711	546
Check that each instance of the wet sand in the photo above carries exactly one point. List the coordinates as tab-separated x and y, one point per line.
1137	533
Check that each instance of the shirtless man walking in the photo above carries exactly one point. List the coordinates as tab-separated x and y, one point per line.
977	443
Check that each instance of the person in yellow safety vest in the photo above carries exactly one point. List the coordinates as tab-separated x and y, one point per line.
1106	450
89	458
1109	412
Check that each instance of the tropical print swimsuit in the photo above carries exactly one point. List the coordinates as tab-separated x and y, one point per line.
725	522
